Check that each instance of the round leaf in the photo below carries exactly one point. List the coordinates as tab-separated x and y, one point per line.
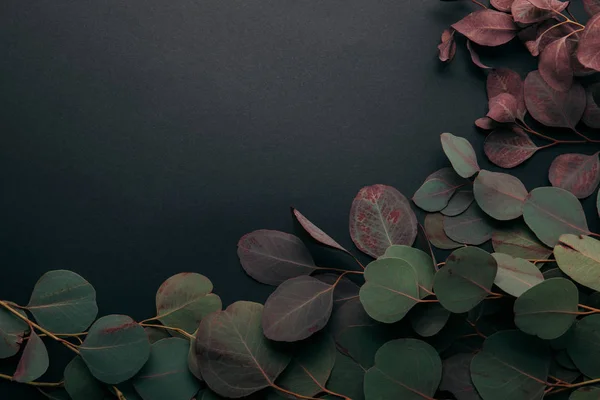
551	212
298	308
406	369
344	290
420	261
80	384
380	217
518	241
461	154
547	309
515	276
501	196
273	257
390	289
577	173
434	228
508	148
584	345
235	358
465	280
487	27
62	301
458	203
12	330
504	80
184	299
34	360
438	188
589	45
115	348
579	258
471	227
166	374
429	318
514	357
503	108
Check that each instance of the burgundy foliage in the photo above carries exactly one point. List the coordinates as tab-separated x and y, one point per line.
447	47
589	45
555	64
577	173
502	5
504	80
503	108
487	27
316	233
591	115
592	6
508	148
475	57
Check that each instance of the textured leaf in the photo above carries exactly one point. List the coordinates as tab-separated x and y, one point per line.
592	6
546	33
316	233
588	52
235	358
390	289
552	5
63	302
579	258
547	309
586	393
550	212
470	227
551	107
512	365
347	378
310	367
503	108
475	57
438	188
584	345
184	299
465	280
447	47
528	12
515	276
34	360
166	374
434	227
555	64
273	257
504	80
500	195
406	369
428	319
519	241
591	115
461	154
487	27
420	261
502	5
12	330
298	308
380	217
458	203
577	173
80	384
115	349
508	148
456	376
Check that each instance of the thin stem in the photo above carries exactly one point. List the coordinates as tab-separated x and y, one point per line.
592	310
567	18
357	260
532	260
574	385
299	396
147	320
170	328
429	301
575	130
119	394
527	128
40	384
435	266
571	15
323	389
32	324
343	271
479	4
441	264
558	380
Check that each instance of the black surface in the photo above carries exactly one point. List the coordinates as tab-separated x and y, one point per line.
143	138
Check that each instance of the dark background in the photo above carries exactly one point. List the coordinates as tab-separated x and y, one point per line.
140	139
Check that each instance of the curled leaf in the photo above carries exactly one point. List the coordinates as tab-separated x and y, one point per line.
475	57
316	233
577	173
447	47
503	108
588	52
504	80
508	148
486	123
461	154
438	188
487	27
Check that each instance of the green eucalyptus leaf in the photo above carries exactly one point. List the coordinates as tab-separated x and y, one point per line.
515	275
347	378
434	228
438	188
579	258
511	365
456	377
390	289
564	374
471	227
34	360
406	369
80	383
466	279
192	360
500	195
115	349
584	345
166	374
156	334
235	358
429	318
458	203
517	240
551	212
63	302
56	394
564	360
586	393
184	299
420	261
547	309
461	154
12	330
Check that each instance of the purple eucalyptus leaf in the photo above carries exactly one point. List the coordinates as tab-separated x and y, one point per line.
486	123
503	108
502	5
555	64
508	148
588	52
577	173
592	6
475	57
591	115
524	11
447	47
504	80
487	27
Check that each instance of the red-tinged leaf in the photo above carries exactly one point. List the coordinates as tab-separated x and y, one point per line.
588	52
344	290
548	32
471	227
486	123
487	27
577	173
298	308
34	361
526	12
447	47
273	257
316	233
503	108
551	5
592	6
475	57
438	188
504	80
502	5
508	148
551	107
434	227
591	115
555	64
380	217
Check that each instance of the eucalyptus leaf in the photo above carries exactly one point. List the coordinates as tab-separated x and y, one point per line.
579	258
586	393
435	193
12	330
461	155
515	276
471	227
456	377
80	383
429	318
34	360
500	195
458	203
584	345
420	261
517	240
434	228
347	378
